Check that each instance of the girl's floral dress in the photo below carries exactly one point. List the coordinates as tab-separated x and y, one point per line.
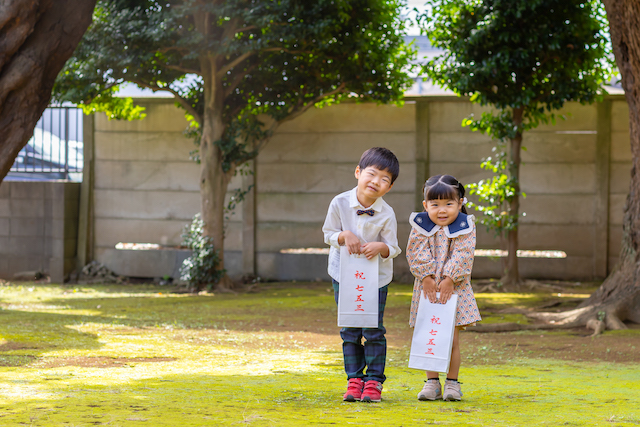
444	251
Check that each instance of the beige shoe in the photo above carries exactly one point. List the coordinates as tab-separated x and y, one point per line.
452	390
431	390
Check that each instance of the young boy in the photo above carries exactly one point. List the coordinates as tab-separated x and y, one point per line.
360	220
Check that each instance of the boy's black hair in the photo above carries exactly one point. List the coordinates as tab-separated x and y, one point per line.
380	158
444	187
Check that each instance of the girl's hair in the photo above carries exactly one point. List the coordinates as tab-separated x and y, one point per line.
444	187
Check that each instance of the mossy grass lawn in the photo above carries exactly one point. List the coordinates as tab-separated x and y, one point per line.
136	355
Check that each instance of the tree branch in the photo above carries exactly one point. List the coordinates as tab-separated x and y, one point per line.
222	71
235	82
183	102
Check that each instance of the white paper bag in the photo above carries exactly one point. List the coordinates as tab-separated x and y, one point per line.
433	335
358	295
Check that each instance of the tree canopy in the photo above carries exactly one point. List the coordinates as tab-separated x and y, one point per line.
525	59
238	68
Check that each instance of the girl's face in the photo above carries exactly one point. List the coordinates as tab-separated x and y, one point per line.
442	211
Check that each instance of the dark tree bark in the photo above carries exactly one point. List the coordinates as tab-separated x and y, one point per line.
36	39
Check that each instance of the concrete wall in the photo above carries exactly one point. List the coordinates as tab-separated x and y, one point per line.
575	174
38	228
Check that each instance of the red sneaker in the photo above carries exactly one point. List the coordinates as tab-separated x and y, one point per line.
372	391
354	390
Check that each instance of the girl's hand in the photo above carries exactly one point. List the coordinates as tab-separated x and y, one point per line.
429	289
446	289
351	241
374	248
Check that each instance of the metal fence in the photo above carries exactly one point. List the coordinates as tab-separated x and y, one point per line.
55	149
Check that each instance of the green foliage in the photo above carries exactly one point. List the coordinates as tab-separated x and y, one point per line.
525	59
201	269
269	60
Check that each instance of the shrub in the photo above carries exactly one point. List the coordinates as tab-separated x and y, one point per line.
201	270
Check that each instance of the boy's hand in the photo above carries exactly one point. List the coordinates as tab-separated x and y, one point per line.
446	289
351	241
374	248
429	289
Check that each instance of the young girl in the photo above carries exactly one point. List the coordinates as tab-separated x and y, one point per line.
440	255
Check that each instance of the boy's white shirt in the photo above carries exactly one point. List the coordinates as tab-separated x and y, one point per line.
381	227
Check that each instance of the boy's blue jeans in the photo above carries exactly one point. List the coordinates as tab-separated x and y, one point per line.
373	354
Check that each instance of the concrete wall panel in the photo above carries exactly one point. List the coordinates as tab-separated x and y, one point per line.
620	116
145	175
143	146
616	208
146	205
620	178
330	147
348	117
559	178
161	116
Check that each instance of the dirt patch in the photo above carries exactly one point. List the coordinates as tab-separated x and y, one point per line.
96	362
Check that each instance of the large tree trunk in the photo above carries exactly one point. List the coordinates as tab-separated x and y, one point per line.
511	276
618	299
619	295
36	39
213	179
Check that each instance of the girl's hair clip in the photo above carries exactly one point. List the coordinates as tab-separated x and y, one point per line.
464	200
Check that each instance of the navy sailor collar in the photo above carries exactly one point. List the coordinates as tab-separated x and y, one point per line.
421	222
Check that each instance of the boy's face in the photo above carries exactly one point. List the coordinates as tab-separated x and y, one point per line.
373	183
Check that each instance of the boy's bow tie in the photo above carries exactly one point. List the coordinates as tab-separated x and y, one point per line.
369	212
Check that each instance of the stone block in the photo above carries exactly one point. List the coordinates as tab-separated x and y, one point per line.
69	248
147	146
621	147
267	265
620	116
109	232
615	240
28	227
162	115
5	246
616	208
56	270
620	178
5	208
351	117
5	269
5	227
27	208
146	175
170	205
570	268
5	190
274	236
558	178
144	263
303	267
27	246
339	147
20	263
27	190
